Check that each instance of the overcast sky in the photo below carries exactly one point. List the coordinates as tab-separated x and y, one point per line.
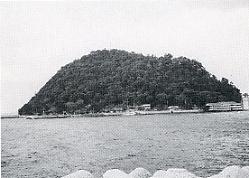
38	38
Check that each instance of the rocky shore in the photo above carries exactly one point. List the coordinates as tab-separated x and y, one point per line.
228	172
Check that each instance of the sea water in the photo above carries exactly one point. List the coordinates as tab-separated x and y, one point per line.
204	144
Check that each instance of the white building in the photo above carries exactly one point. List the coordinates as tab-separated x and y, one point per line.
224	106
245	102
145	107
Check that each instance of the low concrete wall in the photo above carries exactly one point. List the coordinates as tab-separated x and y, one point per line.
229	172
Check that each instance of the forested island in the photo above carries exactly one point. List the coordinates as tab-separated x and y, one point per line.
107	79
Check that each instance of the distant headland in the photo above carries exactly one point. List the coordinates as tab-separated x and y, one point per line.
107	81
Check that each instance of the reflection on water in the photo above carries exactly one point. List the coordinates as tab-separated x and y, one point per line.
202	143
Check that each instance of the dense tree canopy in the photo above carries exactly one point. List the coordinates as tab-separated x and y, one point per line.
113	78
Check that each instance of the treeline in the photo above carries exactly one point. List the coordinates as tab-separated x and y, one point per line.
109	79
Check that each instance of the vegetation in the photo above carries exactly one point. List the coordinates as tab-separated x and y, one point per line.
109	79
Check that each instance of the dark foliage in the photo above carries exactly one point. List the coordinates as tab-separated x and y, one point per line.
107	79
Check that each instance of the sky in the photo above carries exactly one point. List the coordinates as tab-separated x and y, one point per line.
38	38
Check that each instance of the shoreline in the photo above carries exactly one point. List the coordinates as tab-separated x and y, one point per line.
131	113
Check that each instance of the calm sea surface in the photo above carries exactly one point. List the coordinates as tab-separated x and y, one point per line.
202	143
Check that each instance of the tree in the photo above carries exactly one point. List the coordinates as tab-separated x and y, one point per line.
245	95
224	81
70	107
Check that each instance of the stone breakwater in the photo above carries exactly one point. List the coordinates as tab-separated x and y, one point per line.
228	172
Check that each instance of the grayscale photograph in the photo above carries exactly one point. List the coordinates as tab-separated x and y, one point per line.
125	89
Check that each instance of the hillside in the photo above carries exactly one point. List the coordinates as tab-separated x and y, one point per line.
113	78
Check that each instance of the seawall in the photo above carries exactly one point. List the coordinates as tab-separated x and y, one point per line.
228	172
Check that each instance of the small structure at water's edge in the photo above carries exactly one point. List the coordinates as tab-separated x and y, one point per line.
245	101
224	106
230	171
